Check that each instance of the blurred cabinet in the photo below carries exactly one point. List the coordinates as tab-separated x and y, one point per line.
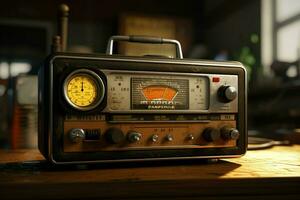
160	26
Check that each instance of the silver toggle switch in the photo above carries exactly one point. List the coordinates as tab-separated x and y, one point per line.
134	136
77	135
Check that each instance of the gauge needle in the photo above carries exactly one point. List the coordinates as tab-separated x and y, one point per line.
82	86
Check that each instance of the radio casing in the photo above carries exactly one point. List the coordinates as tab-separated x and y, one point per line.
56	117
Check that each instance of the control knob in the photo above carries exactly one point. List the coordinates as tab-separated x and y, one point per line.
114	135
169	137
227	93
154	138
76	135
229	133
133	136
190	137
211	134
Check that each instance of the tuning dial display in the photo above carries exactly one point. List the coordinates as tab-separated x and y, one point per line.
227	93
83	89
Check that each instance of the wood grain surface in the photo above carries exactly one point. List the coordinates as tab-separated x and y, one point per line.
265	174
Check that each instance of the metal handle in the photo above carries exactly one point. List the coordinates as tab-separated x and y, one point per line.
143	39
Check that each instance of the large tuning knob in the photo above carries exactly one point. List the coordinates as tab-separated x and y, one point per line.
229	133
211	134
227	93
114	135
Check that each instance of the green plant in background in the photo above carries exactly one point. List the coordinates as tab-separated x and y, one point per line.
246	56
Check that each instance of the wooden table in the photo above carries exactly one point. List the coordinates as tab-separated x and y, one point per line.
265	174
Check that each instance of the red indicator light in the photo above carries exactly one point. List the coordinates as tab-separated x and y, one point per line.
216	79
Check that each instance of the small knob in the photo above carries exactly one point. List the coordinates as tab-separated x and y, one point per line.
133	136
190	137
77	135
114	135
211	134
154	138
169	137
230	133
227	93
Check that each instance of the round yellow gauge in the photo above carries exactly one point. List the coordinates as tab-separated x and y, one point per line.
83	89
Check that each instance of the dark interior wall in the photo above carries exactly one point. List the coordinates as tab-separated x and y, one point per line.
95	10
92	21
229	26
91	35
219	24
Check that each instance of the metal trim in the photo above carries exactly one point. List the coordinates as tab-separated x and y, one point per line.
162	121
145	159
143	39
233	64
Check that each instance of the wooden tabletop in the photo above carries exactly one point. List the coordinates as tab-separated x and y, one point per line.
273	173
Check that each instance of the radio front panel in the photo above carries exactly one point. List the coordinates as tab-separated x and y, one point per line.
110	109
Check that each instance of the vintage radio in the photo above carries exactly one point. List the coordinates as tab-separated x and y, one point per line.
112	108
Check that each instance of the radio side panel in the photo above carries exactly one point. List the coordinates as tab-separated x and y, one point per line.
43	114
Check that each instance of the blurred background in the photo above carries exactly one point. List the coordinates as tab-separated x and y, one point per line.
262	34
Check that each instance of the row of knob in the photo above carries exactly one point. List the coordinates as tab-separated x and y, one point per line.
116	135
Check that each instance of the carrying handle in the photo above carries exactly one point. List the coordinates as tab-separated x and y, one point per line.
143	39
